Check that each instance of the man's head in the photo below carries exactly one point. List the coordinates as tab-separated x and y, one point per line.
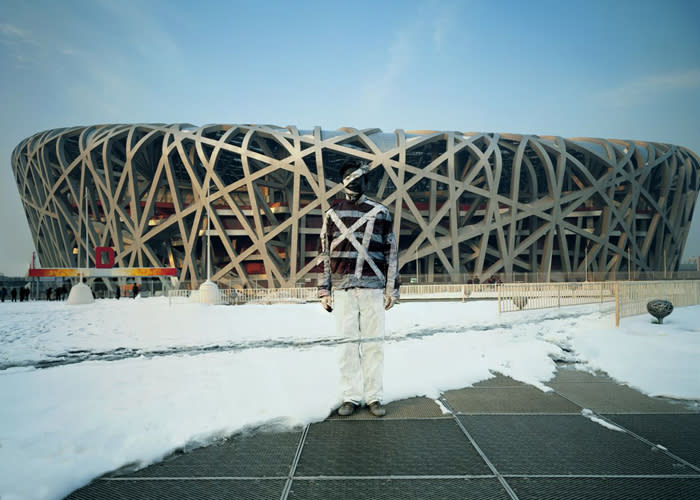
354	176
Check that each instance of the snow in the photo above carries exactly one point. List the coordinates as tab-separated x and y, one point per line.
442	407
659	360
88	389
589	414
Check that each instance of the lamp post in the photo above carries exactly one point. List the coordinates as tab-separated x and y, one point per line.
208	234
209	291
664	263
629	266
416	263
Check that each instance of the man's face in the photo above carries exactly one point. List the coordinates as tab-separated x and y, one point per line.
357	186
355	182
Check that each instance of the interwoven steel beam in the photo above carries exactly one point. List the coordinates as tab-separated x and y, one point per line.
464	204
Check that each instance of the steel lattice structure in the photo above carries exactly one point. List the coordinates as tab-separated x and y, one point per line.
463	204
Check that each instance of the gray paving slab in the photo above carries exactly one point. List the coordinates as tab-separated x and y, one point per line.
499	380
254	454
570	374
679	433
391	489
540	443
646	488
564	444
388	447
513	399
603	395
152	489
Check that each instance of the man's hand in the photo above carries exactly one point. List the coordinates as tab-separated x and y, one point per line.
389	301
327	303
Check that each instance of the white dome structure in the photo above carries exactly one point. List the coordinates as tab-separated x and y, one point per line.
80	294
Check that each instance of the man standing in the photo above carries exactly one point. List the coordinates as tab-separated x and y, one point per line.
360	260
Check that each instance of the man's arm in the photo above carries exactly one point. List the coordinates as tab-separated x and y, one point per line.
391	254
324	287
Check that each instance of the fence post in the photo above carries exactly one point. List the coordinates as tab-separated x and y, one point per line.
559	297
617	304
499	298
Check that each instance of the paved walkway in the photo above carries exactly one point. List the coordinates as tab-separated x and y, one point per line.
588	439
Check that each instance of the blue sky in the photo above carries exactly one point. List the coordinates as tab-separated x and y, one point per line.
623	69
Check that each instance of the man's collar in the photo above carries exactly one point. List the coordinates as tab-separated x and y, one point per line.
361	199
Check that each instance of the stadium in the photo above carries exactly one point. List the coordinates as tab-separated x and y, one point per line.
466	205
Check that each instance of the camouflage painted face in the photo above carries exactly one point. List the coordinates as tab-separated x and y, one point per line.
355	181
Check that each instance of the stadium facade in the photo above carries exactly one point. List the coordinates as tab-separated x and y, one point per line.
464	204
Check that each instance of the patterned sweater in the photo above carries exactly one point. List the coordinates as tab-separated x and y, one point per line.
358	247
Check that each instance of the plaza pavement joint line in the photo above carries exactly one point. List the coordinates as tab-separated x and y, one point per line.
295	462
498	475
629	432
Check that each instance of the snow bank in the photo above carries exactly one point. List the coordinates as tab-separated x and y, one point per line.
243	366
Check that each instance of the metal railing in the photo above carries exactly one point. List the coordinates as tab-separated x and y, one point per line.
449	291
178	296
519	296
233	296
269	296
632	297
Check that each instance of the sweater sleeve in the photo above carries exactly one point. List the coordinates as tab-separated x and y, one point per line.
391	254
324	287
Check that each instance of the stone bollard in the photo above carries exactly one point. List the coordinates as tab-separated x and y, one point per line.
659	309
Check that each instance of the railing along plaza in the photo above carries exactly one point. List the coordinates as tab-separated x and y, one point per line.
630	297
634	295
519	296
234	296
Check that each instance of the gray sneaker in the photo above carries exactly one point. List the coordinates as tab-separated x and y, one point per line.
346	409
377	409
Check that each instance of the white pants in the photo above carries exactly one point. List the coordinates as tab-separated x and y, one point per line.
359	316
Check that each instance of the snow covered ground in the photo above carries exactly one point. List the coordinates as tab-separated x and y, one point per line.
88	389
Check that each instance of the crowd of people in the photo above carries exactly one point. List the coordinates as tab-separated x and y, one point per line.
21	294
492	280
14	293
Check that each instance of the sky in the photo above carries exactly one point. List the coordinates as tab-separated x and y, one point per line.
627	70
124	368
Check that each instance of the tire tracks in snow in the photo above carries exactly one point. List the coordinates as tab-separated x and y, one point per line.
121	353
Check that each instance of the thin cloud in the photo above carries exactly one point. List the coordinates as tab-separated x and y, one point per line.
442	26
138	20
26	49
11	31
389	77
426	37
652	85
687	80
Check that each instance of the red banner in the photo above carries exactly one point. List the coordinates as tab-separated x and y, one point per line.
91	272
